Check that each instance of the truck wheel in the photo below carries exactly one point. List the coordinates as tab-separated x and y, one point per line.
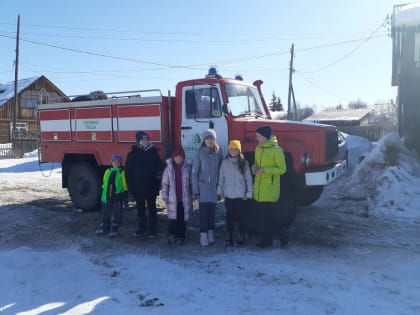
84	186
308	195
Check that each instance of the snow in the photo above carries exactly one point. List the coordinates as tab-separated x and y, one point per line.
7	90
389	176
363	277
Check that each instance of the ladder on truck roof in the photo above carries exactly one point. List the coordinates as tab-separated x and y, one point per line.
100	95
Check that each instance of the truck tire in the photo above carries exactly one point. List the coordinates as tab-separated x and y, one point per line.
308	195
84	186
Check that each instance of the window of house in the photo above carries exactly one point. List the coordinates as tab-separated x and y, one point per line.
29	102
20	126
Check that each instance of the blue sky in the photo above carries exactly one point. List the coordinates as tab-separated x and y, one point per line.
341	51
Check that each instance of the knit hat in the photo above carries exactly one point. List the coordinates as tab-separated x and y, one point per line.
141	135
265	131
116	157
235	144
178	151
209	133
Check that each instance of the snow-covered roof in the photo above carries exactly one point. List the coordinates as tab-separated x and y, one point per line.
340	114
407	15
7	90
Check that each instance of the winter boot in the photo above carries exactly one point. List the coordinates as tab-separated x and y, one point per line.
210	236
141	227
104	230
240	239
171	239
114	231
229	239
101	232
284	238
204	241
152	221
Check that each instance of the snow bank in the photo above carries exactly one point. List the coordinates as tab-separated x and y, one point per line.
388	177
358	147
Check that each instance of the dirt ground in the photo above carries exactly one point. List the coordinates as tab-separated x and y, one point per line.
41	218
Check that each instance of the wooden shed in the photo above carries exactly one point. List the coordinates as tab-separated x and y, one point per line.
342	117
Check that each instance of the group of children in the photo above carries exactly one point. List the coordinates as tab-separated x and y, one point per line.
210	177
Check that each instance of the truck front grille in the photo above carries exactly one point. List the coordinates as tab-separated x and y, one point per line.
331	144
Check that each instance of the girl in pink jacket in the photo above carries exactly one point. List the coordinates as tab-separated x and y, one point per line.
177	194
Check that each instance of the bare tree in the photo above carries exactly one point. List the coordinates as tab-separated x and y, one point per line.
357	104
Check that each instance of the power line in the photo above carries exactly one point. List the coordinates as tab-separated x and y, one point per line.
183	40
383	24
100	54
321	88
291	36
196	66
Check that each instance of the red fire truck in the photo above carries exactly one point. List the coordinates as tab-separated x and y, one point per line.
82	134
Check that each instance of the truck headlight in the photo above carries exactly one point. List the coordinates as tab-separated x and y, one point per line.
305	159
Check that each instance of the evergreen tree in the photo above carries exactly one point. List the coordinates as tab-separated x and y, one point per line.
275	103
278	105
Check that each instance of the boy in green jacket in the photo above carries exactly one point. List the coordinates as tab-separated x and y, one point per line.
114	188
268	166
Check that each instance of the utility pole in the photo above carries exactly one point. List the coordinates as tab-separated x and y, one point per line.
289	95
15	107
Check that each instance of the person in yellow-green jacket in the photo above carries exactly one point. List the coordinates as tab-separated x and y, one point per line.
268	166
114	190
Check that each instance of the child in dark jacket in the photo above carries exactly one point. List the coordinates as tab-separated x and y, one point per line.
114	188
177	194
144	170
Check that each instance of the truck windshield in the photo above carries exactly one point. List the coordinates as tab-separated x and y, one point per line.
244	100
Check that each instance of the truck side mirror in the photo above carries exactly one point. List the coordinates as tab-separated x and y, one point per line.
190	103
225	109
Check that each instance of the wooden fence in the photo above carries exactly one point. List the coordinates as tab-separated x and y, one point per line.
22	142
6	151
372	133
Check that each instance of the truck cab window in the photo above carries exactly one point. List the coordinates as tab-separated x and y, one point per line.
244	100
208	103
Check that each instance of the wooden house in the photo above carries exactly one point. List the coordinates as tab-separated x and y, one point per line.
31	92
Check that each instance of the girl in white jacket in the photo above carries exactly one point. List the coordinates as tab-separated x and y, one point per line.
235	186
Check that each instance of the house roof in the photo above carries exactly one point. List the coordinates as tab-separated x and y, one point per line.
340	115
406	14
7	90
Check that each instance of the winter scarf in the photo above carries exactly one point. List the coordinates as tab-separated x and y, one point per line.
118	183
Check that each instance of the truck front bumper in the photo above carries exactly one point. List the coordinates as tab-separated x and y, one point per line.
322	178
